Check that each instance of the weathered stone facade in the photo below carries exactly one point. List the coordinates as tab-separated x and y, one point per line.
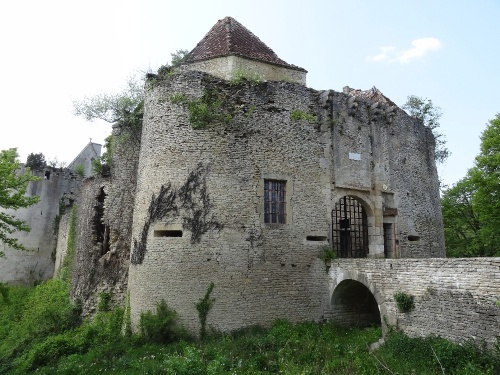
36	264
104	220
215	178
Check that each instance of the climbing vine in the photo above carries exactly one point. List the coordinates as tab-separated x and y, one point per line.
191	202
159	207
204	306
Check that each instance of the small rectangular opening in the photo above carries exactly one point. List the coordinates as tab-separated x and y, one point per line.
47	175
413	238
167	233
316	238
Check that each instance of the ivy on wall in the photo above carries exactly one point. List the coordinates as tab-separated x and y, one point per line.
191	202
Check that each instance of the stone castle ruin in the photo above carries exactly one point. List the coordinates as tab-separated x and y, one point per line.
247	179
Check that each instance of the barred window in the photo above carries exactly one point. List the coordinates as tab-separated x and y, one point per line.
274	201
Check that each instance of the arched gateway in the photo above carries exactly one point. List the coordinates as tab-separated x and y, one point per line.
349	228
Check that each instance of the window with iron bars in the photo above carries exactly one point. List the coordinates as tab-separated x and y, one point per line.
274	202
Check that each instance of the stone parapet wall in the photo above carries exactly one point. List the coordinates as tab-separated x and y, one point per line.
234	67
454	298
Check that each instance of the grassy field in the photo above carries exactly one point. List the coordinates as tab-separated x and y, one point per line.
41	333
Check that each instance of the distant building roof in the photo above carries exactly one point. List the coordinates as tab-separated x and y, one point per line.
229	37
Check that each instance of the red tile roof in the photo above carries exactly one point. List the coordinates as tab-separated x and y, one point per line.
229	37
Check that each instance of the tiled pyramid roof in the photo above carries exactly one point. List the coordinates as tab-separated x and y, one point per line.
229	37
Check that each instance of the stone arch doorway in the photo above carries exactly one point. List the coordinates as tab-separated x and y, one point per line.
349	228
353	304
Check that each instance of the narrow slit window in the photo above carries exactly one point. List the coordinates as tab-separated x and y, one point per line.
274	202
167	233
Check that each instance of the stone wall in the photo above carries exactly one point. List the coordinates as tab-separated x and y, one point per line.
26	267
104	219
454	298
230	67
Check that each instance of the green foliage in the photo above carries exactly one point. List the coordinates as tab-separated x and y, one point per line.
178	98
4	292
327	254
428	355
36	162
246	75
98	346
404	301
80	170
297	115
208	109
471	206
179	57
425	111
204	306
112	108
13	188
104	303
162	327
64	272
102	164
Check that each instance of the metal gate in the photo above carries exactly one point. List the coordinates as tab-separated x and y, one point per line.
349	229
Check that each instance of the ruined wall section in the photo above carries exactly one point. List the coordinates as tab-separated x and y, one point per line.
381	153
104	210
213	177
454	298
26	267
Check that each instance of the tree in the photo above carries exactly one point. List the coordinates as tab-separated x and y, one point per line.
425	111
36	162
112	108
471	208
178	57
13	186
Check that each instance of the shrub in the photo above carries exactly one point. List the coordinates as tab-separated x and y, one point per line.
328	254
297	115
80	170
162	327
404	301
104	301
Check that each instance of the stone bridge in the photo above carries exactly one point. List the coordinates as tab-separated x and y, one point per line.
454	298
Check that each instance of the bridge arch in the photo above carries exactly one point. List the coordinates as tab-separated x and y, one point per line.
354	304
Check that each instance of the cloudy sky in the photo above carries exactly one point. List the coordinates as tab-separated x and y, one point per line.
55	52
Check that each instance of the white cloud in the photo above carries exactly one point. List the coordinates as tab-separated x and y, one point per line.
384	54
420	47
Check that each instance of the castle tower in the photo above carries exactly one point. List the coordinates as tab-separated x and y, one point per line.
231	51
243	184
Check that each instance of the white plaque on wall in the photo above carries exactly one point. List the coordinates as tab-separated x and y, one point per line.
354	156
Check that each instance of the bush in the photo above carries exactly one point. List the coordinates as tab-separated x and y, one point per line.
404	301
162	327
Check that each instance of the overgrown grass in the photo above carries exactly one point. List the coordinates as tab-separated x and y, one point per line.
39	335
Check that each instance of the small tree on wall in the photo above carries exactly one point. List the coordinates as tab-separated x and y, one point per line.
36	162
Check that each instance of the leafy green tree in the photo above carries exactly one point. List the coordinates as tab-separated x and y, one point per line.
125	108
13	188
471	208
425	111
36	162
178	57
461	221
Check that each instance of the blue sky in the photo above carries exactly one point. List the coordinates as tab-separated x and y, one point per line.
54	52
